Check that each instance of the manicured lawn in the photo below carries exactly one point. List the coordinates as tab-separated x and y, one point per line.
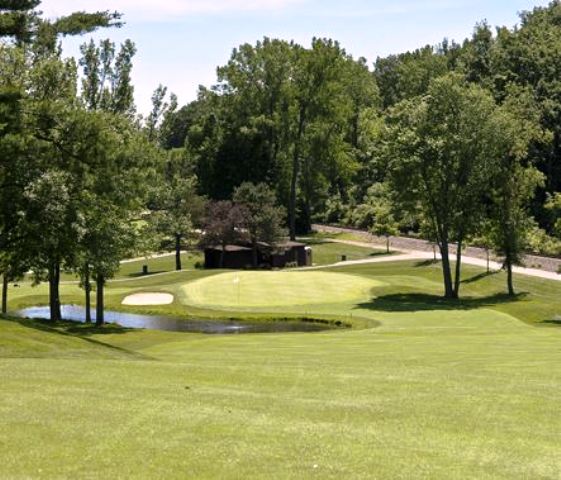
439	390
328	253
160	265
277	289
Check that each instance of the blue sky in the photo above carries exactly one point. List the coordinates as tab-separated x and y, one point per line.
181	42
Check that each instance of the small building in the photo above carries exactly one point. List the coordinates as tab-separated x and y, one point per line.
291	253
235	256
268	256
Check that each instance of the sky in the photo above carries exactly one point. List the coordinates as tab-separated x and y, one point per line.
181	42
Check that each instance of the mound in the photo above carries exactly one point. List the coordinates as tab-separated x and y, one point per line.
276	289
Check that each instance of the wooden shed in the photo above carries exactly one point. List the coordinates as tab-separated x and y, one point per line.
235	256
271	256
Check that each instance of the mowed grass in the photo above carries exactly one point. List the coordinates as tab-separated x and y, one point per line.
328	253
276	289
439	390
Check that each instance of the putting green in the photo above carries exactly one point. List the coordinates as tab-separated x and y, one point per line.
274	289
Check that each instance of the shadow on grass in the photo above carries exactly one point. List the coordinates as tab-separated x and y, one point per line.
141	275
81	331
555	321
480	276
415	302
426	263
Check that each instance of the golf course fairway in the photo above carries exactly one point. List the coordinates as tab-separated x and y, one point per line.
276	289
419	388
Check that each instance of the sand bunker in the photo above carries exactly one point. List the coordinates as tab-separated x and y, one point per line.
148	299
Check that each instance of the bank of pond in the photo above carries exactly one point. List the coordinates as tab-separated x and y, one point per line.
76	313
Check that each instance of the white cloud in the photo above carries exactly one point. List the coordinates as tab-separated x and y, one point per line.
164	9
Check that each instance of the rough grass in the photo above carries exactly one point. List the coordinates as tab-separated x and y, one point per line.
440	390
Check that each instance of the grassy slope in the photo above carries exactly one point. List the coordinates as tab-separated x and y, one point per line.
439	390
471	399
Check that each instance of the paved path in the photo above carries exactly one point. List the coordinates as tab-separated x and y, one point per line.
423	255
150	257
414	244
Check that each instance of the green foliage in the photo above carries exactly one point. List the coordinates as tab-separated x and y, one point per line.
20	20
289	116
224	224
408	75
106	84
264	218
442	150
553	207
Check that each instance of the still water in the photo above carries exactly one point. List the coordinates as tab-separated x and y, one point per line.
76	313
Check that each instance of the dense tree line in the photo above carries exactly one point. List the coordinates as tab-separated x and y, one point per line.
456	143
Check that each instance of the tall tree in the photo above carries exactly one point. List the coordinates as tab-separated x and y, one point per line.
516	179
107	83
441	153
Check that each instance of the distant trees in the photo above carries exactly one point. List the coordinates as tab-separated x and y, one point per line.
281	114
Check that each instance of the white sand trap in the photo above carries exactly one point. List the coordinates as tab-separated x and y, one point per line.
147	299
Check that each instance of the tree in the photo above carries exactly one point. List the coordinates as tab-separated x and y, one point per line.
53	224
408	75
20	20
385	223
441	152
17	149
113	197
263	217
160	110
107	84
224	225
516	179
178	210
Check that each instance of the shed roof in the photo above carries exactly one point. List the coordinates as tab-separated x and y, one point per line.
230	248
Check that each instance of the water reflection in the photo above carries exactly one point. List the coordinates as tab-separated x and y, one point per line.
153	322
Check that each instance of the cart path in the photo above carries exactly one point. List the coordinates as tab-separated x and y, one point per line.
407	244
408	255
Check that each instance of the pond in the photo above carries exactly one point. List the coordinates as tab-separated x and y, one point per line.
76	313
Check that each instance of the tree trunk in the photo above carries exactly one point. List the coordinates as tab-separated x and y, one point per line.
88	290
458	279
509	276
254	252
448	287
488	261
100	307
5	280
388	244
294	177
222	255
54	293
307	214
178	265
